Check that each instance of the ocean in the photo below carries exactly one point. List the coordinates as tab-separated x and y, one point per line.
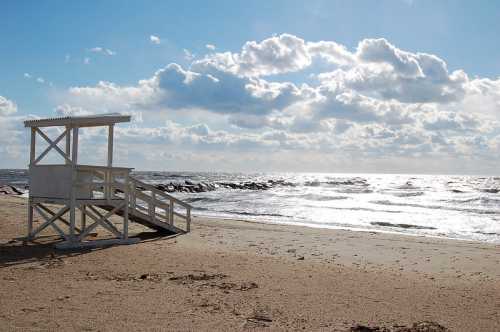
452	206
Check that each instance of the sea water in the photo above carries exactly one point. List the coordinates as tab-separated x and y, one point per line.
453	206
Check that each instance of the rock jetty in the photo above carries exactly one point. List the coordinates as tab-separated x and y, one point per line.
187	186
191	187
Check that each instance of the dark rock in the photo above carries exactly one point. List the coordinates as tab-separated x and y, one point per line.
160	187
363	328
424	326
10	190
406	226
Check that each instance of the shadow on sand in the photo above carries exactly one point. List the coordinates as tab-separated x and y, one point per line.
43	252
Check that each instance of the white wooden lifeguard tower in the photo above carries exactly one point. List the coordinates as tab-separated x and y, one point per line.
97	192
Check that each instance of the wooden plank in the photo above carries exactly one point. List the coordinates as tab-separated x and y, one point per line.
33	145
114	169
83	218
68	144
72	207
30	218
126	212
171	213
110	145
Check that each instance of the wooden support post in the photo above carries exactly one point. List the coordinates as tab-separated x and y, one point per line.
83	219
106	185
30	201
74	161
133	198
74	154
127	203
32	146
109	192
152	206
110	145
188	220
30	219
171	212
68	144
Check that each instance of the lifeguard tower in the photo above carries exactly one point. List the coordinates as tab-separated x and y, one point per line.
57	192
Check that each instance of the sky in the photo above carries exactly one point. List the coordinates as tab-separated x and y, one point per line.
401	86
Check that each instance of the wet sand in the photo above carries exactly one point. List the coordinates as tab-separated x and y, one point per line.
229	275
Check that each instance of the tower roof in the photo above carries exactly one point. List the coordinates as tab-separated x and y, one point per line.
79	121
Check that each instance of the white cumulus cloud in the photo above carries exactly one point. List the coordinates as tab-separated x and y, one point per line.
375	101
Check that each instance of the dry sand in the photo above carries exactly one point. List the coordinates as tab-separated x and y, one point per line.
234	275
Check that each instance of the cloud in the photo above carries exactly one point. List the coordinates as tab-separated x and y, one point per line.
108	97
371	102
67	110
177	88
12	145
7	106
40	80
332	52
210	47
380	50
154	39
86	61
275	55
27	75
381	70
101	50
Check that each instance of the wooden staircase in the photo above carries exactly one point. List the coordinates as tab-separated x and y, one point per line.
154	208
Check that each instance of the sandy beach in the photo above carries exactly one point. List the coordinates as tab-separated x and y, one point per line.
229	275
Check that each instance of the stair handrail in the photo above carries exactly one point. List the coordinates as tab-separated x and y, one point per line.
159	192
154	202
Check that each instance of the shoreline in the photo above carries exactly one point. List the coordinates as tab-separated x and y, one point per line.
232	275
263	221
